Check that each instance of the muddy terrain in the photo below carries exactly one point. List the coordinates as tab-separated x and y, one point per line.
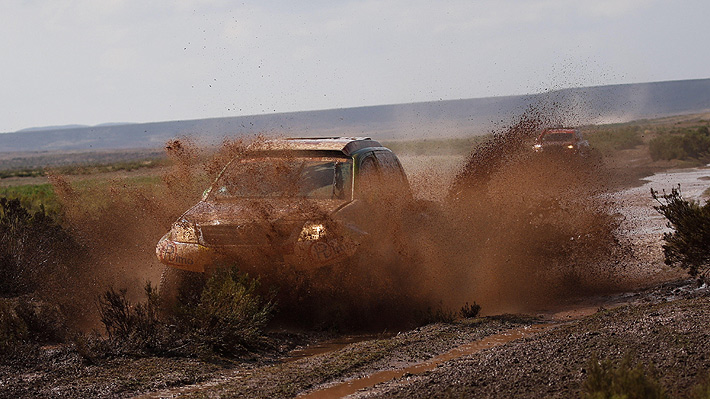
564	259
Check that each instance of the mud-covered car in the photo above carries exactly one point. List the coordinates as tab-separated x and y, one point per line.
301	203
561	141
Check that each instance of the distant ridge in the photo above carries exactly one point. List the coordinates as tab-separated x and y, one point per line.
43	128
450	118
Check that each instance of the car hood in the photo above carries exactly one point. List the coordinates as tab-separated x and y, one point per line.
260	210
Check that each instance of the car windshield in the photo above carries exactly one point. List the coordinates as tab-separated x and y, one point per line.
548	137
284	176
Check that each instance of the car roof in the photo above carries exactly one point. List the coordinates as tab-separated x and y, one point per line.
346	145
558	130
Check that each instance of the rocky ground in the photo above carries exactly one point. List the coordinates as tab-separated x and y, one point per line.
665	327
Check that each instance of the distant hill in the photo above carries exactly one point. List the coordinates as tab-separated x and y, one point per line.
43	128
451	118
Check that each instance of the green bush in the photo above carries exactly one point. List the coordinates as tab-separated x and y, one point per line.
228	319
32	247
604	381
683	145
621	138
688	245
34	198
231	315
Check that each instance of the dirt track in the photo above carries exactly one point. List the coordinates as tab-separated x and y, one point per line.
665	327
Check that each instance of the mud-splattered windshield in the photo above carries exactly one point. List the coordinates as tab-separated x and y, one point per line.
556	137
275	177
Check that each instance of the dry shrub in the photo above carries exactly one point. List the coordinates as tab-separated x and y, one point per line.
437	314
702	390
33	249
228	320
470	311
28	321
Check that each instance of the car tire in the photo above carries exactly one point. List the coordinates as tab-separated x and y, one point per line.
179	287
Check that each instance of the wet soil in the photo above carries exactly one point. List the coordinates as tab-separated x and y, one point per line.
545	355
540	355
669	333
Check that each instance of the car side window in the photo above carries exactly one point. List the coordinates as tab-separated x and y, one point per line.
393	176
369	178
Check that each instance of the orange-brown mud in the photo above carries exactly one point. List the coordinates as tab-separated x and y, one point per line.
532	230
516	233
117	224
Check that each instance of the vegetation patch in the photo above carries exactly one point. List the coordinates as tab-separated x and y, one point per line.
688	245
606	381
682	144
34	198
615	137
33	248
228	320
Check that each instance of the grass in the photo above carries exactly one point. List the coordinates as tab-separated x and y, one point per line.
78	163
80	169
33	197
612	138
682	144
443	146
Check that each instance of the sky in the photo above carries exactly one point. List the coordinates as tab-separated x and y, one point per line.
91	62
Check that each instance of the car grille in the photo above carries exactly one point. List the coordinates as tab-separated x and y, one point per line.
246	234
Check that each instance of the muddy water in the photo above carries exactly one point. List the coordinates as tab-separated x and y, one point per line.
330	346
640	217
352	386
643	226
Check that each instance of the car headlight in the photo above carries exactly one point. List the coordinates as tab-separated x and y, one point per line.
183	231
537	147
312	232
570	146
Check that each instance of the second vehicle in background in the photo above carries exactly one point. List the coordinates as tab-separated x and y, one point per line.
561	141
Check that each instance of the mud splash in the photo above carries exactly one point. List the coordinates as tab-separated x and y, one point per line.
513	233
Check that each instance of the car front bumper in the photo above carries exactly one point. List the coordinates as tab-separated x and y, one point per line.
187	256
301	255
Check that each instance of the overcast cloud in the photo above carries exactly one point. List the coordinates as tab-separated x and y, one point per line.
91	62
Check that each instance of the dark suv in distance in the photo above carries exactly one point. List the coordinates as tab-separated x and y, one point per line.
561	141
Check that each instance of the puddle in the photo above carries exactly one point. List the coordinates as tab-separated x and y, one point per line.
330	346
641	218
352	386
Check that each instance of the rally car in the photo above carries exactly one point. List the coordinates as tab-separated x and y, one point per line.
302	203
561	141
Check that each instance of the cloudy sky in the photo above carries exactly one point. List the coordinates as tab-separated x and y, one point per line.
98	61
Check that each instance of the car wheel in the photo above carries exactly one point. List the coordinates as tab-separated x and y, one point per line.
180	287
